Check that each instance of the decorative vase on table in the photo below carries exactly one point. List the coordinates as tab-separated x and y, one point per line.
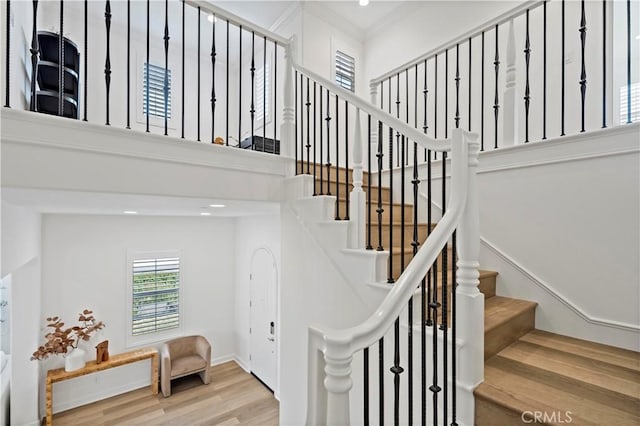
74	360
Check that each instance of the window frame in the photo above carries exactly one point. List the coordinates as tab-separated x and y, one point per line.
156	336
347	49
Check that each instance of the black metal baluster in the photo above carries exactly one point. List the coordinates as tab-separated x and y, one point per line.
198	81
128	62
61	59
275	97
182	85
469	112
295	118
604	64
308	146
226	111
328	121
406	97
435	102
264	94
315	147
583	72
425	92
399	158
446	93
240	86
628	61
379	210
213	80
35	52
369	238
457	80
390	278
415	98
381	381
321	166
86	59
252	110
301	124
444	323
346	158
562	76
146	74
544	70
454	285
365	395
107	63
7	69
396	370
482	94
496	104
166	67
337	160
527	92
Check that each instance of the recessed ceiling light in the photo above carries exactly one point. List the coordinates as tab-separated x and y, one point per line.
205	214
363	2
129	212
216	206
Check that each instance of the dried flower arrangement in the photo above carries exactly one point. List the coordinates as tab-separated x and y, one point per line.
64	340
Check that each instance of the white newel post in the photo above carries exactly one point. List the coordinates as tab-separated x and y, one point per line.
470	302
287	128
357	197
338	382
510	110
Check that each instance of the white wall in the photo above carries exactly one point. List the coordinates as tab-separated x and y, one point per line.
312	292
559	223
21	245
252	233
84	265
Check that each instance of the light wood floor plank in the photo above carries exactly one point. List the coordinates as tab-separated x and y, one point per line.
233	397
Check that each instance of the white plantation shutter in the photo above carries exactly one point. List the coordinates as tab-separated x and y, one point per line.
155	81
262	89
635	103
345	71
155	295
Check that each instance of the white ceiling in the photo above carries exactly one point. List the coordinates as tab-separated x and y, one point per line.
266	12
75	202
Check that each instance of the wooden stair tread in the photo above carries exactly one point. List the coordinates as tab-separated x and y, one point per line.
499	310
567	366
520	393
609	354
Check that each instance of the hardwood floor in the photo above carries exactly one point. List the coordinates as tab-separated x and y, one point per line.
233	397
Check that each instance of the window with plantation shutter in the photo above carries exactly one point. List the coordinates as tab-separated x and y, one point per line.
345	71
263	93
635	103
155	295
155	80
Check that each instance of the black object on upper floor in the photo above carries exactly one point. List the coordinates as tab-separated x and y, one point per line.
47	76
261	144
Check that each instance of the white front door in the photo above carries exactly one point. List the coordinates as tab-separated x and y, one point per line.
263	317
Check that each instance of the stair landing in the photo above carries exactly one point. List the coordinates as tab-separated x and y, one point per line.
545	378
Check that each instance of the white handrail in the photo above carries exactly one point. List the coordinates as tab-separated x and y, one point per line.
238	21
372	329
440	145
499	20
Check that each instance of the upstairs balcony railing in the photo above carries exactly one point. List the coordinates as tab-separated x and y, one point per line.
543	69
185	69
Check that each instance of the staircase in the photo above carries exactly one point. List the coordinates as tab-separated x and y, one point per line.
531	376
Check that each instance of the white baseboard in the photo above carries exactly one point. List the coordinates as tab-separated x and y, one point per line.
88	398
242	363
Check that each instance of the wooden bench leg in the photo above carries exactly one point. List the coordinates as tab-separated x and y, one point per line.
154	374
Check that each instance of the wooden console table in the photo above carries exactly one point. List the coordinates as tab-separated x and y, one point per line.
59	375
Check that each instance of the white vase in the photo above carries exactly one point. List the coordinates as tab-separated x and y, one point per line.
74	360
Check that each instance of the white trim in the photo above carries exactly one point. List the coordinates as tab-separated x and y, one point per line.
242	363
28	128
560	297
85	398
286	16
